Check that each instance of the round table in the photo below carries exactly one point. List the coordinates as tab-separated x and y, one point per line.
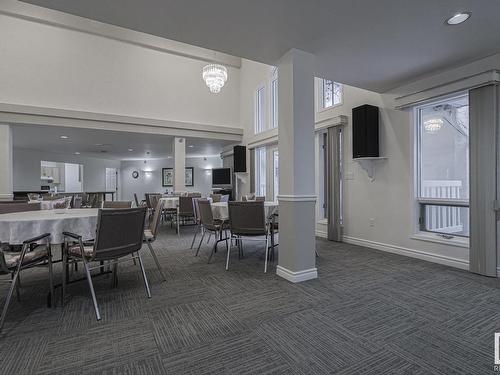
220	210
19	226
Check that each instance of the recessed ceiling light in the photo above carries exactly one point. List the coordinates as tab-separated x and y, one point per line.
458	18
77	153
190	146
63	137
130	149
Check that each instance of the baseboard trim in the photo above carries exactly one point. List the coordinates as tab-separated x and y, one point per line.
297	277
6	196
321	233
440	259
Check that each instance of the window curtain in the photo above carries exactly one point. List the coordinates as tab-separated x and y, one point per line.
484	174
333	176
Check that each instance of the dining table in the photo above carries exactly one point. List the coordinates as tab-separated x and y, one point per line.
170	203
220	210
16	227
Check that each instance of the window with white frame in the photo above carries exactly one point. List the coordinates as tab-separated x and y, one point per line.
260	171
442	167
274	102
331	93
259	110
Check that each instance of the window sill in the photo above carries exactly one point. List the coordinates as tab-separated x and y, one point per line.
430	237
323	109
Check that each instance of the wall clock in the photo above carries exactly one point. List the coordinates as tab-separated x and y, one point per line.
135	174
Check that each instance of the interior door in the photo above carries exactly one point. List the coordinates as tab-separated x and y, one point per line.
112	180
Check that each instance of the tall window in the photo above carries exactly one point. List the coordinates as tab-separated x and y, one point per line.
332	93
274	102
260	171
443	166
276	174
259	110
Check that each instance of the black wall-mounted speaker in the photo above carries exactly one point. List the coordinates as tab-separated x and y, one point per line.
365	123
240	159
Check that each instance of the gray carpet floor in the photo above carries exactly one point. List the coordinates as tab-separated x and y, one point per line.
369	312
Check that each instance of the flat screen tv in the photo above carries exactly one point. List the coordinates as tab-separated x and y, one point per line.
221	177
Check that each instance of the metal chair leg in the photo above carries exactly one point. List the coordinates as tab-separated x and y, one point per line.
194	237
267	253
213	249
209	235
199	245
146	284
18	292
156	261
51	279
92	292
227	259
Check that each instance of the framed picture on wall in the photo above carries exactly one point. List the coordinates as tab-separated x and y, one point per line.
189	180
168	177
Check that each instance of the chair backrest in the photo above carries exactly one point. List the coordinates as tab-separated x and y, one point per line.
77	201
94	200
206	215
117	204
247	218
224	198
196	209
119	232
62	203
136	200
155	223
194	195
33	196
186	206
260	199
215	197
244	198
7	208
152	199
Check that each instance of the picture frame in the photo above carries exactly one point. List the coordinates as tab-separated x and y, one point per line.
167	177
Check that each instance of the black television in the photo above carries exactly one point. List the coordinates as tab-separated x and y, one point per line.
221	177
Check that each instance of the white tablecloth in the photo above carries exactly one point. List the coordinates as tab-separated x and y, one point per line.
170	202
20	226
48	204
220	210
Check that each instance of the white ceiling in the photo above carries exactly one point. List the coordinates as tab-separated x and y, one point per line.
108	144
371	44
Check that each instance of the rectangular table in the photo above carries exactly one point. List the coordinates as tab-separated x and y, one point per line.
220	210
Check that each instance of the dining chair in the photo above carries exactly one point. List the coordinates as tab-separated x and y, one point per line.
32	254
211	226
7	208
151	232
184	211
215	197
247	221
224	198
77	201
119	234
117	204
196	211
194	195
137	203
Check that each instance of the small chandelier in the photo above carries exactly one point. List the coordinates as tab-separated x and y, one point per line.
433	125
215	76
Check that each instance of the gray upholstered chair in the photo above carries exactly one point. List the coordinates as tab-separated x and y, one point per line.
117	204
247	222
7	208
151	232
212	226
32	254
119	234
184	212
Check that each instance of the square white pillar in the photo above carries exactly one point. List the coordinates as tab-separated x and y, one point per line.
297	199
179	151
6	163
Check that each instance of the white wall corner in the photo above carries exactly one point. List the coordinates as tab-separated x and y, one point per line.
298	276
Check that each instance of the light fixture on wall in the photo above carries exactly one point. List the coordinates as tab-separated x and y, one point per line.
215	77
433	125
458	18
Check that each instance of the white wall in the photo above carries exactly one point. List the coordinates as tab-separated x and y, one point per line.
27	169
49	66
150	175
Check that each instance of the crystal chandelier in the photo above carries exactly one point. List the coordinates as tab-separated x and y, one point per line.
215	76
433	125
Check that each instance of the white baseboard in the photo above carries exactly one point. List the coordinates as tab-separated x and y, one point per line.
297	277
448	261
321	233
6	196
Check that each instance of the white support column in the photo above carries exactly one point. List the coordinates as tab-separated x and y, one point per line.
179	151
297	199
6	163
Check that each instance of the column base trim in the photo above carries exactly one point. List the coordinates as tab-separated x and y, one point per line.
297	277
6	196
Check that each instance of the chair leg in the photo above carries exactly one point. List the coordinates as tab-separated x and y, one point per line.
267	253
316	251
156	260
194	237
209	235
51	279
65	273
199	245
228	251
213	249
92	292
178	226
146	284
18	292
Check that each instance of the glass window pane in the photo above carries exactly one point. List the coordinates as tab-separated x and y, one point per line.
260	171
447	220
444	149
274	103
259	110
276	174
332	93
